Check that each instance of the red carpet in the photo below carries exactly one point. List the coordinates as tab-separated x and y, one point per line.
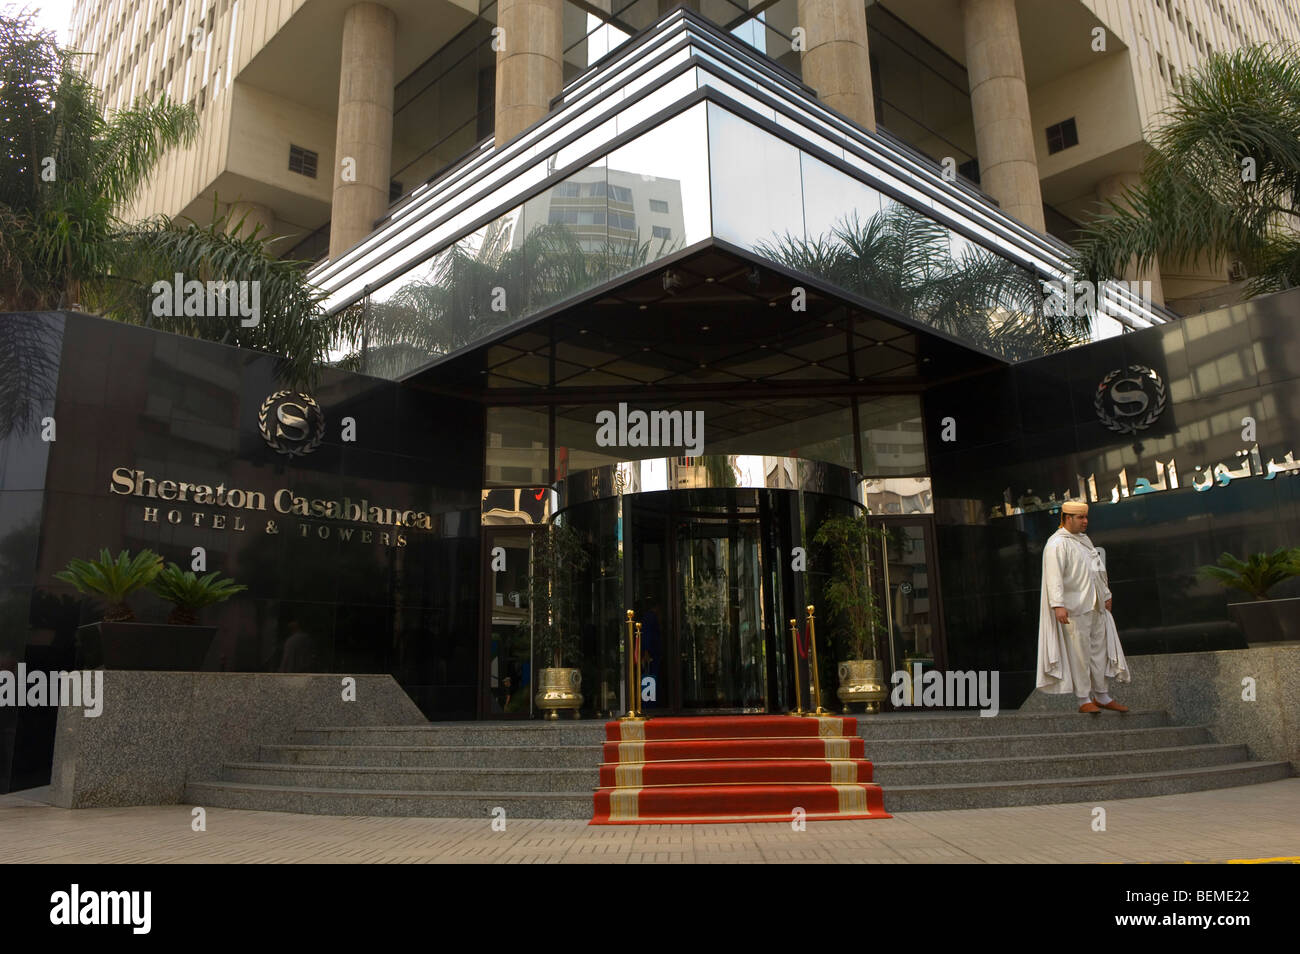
715	769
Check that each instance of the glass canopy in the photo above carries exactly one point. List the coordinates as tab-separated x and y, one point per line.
683	138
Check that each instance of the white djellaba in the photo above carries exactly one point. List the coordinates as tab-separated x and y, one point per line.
1083	560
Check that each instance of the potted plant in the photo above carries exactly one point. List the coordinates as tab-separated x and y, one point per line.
1263	620
558	557
118	641
846	542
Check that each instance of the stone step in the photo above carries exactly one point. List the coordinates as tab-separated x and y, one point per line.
340	801
1051	791
932	724
1010	746
437	756
1083	764
456	733
416	778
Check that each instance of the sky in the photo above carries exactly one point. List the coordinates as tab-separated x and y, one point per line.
50	14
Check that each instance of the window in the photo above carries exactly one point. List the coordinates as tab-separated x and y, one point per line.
302	161
661	232
658	205
620	194
1062	136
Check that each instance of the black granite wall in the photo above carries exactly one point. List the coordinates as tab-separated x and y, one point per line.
185	410
1034	428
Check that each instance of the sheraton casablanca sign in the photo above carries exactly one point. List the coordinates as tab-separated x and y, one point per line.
347	519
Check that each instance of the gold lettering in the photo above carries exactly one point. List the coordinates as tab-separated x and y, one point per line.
256	500
203	494
408	517
323	531
300	507
122	477
318	508
283	500
218	521
150	514
173	516
167	490
401	539
199	517
423	522
182	488
302	529
376	515
367	536
233	501
239	523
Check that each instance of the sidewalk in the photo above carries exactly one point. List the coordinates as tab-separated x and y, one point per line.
1251	822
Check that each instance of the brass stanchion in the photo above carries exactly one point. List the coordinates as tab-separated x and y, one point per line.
639	712
798	693
817	683
631	672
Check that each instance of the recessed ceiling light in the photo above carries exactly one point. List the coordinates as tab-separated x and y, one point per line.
582	331
704	327
643	307
645	348
709	279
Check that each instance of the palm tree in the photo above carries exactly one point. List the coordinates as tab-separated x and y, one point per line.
902	259
1222	179
65	168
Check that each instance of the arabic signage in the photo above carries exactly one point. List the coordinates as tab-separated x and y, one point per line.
1250	464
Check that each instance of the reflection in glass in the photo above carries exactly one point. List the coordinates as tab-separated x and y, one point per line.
906	261
518	450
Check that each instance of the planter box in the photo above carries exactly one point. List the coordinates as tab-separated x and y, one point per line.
1268	621
146	646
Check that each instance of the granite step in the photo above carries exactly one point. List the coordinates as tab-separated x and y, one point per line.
1052	791
1080	765
1010	746
437	756
948	724
342	801
457	733
416	778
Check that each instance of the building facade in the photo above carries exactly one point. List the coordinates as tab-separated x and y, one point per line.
690	313
316	115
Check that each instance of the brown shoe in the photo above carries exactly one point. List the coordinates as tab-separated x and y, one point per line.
1089	706
1113	706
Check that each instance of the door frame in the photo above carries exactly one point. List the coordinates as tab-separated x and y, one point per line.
487	601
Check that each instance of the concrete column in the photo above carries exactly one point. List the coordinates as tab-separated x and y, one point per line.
836	61
365	124
1004	134
254	215
530	67
1112	189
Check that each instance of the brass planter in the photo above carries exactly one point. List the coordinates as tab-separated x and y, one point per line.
862	680
559	690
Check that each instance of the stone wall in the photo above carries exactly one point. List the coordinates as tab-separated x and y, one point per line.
159	730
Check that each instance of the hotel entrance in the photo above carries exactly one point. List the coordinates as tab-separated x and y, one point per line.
712	555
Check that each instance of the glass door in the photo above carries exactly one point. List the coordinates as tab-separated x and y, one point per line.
906	581
507	688
719	603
